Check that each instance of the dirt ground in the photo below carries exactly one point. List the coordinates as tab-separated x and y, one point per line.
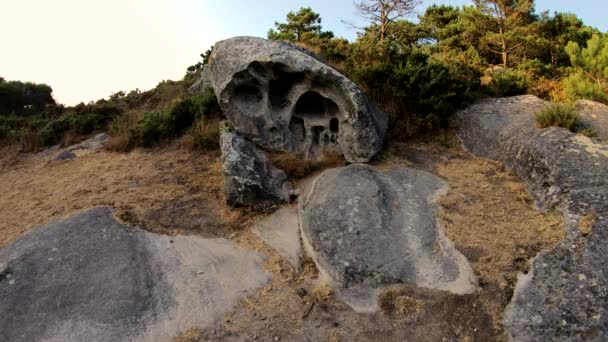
168	191
487	213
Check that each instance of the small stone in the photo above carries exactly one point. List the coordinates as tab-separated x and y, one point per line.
11	282
276	338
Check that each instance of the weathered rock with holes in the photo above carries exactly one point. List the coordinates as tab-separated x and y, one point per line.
284	99
249	177
89	278
565	294
364	227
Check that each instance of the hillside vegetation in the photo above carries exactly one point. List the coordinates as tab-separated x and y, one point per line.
420	72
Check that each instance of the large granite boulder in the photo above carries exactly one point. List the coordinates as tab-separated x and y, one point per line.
369	228
284	99
564	297
249	177
89	278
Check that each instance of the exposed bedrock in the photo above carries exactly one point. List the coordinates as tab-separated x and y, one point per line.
371	228
564	297
249	177
594	116
284	99
90	278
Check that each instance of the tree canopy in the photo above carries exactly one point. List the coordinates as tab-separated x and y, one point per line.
300	25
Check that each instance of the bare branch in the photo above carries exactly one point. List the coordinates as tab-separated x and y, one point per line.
384	12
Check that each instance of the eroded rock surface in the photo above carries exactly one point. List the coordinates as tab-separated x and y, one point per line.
89	278
249	177
284	99
364	227
565	294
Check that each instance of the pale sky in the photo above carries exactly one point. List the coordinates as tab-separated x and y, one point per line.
88	49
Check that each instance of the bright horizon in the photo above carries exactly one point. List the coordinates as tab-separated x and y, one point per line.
88	49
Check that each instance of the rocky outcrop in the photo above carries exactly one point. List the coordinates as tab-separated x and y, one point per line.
284	99
93	144
249	177
594	116
364	227
565	294
89	278
202	82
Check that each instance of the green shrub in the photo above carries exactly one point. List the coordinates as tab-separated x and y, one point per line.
165	124
419	93
508	82
559	115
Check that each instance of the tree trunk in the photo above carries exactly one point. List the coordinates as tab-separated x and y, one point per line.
504	49
382	25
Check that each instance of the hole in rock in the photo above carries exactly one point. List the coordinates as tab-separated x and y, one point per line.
297	129
334	125
313	103
248	93
280	86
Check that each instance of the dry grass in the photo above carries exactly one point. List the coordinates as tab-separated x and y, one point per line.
395	302
297	168
35	192
489	215
9	157
586	222
323	293
191	335
204	135
120	132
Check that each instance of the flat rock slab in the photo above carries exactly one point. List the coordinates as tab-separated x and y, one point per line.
280	230
364	227
89	278
564	297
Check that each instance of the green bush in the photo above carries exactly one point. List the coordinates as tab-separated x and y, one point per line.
558	115
419	93
508	82
80	120
165	124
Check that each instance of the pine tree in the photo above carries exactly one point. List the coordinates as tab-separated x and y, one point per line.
590	78
511	20
298	25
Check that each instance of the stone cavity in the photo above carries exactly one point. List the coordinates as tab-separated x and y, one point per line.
564	296
367	228
284	99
